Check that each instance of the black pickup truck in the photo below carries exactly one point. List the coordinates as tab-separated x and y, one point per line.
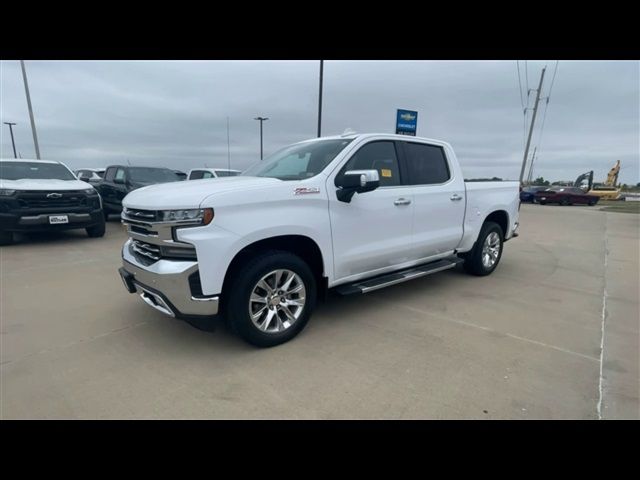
119	180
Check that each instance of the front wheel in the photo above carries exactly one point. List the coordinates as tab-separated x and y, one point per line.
271	298
6	238
97	230
487	251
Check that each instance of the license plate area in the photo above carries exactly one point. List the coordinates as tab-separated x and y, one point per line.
57	219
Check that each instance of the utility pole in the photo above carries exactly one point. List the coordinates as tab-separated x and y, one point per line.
13	142
33	123
533	157
261	119
533	121
228	147
320	99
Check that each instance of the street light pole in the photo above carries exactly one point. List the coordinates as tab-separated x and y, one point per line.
13	142
261	119
33	123
320	99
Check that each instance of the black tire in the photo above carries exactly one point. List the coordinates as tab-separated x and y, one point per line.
565	202
242	285
97	230
6	238
106	213
473	260
543	202
592	203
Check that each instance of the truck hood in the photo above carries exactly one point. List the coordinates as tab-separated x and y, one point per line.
44	184
191	193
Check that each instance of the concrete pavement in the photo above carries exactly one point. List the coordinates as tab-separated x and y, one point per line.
523	343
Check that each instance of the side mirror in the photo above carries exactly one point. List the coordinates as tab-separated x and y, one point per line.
84	178
356	181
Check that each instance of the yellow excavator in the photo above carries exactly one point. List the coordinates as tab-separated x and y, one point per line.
610	189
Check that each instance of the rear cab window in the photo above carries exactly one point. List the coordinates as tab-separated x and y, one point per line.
425	164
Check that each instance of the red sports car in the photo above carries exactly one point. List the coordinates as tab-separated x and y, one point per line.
565	196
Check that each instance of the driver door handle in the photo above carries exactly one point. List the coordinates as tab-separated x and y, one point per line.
402	201
455	197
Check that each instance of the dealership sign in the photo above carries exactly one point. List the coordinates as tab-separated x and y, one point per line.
406	122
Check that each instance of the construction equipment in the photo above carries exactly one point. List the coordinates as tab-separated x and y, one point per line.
585	176
609	190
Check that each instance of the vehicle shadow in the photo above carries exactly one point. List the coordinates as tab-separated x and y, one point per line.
35	238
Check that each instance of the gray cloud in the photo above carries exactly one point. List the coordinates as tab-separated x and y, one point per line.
173	113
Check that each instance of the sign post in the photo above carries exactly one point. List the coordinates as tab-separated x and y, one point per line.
406	122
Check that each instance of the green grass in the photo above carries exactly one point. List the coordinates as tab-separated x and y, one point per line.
622	207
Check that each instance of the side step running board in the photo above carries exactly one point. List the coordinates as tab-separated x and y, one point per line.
398	277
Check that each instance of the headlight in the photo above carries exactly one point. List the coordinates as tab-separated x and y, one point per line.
5	192
196	215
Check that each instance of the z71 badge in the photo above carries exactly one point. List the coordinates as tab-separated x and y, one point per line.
305	190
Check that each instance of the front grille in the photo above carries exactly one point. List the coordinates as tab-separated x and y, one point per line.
147	250
142	215
142	231
68	199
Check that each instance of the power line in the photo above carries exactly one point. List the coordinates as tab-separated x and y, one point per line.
520	84
544	115
553	78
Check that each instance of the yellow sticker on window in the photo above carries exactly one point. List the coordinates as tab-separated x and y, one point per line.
385	172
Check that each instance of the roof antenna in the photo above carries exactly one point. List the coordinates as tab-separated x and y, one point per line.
128	162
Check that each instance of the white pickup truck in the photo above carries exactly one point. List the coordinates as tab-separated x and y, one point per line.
351	213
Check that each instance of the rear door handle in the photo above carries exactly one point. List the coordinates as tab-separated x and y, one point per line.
455	197
402	201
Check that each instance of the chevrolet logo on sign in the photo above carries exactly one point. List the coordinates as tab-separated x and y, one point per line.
406	122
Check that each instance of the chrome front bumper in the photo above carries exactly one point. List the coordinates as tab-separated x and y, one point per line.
164	285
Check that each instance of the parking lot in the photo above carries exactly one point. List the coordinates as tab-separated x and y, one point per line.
523	343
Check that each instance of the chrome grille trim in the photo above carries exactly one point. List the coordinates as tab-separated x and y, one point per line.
146	249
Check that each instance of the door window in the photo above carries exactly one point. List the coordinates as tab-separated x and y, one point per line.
380	156
110	174
426	164
120	174
196	175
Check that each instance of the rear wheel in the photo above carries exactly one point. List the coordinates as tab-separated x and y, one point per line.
271	298
565	202
6	238
487	251
591	203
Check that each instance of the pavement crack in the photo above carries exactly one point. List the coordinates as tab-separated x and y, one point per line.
510	335
604	317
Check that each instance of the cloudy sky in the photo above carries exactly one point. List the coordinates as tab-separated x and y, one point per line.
174	113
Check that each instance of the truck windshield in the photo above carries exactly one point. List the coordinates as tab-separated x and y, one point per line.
299	161
36	170
152	175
